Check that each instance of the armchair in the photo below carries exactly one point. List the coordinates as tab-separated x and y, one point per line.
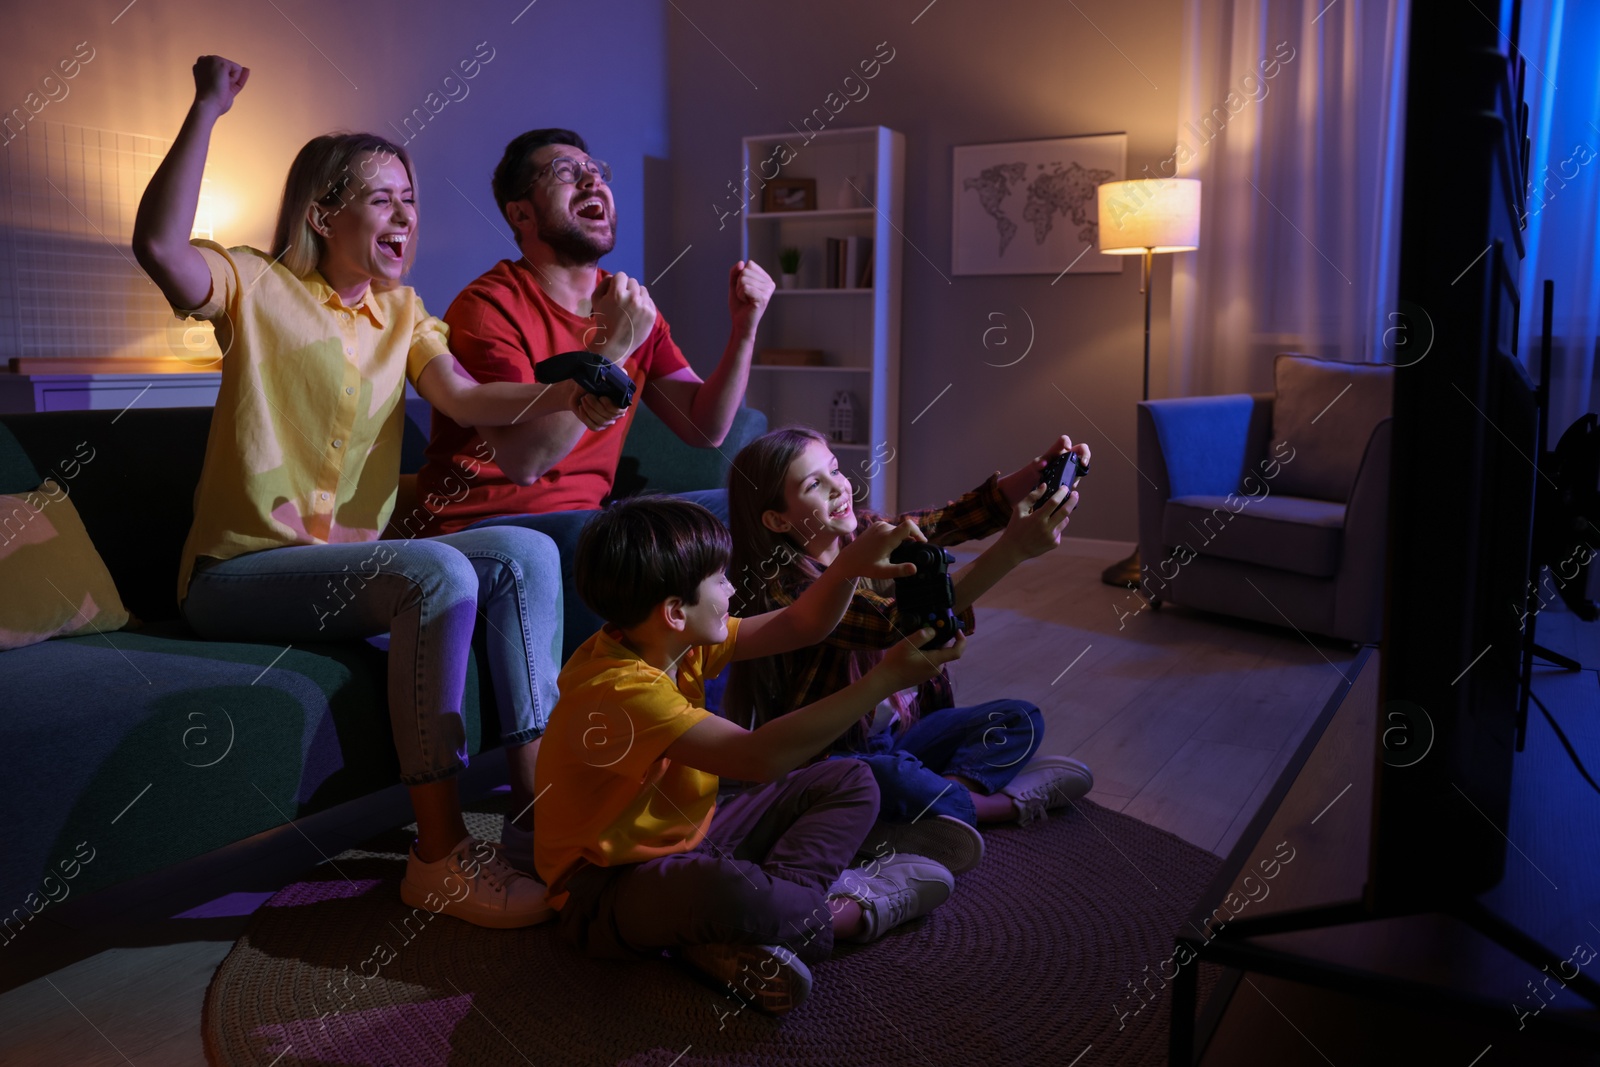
1272	507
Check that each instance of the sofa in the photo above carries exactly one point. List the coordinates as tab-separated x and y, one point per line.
1272	507
141	748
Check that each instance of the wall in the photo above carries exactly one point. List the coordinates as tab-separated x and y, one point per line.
366	64
962	73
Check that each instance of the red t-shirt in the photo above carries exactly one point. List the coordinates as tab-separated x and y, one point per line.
500	326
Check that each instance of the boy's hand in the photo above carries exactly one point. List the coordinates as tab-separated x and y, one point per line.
217	81
1020	483
868	555
907	663
1037	523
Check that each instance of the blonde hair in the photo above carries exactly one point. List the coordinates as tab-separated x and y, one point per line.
325	172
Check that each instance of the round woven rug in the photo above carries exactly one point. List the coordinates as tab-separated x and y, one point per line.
1038	958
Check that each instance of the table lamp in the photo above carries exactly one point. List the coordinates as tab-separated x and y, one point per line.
1140	218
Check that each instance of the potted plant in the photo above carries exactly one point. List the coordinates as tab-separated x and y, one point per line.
789	268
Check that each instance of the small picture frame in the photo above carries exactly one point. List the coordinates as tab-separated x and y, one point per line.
790	194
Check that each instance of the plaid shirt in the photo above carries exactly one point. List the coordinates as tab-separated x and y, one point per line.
868	628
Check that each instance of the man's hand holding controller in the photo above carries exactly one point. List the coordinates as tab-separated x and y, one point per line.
624	317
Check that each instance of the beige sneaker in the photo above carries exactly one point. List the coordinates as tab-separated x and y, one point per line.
1048	782
894	891
474	883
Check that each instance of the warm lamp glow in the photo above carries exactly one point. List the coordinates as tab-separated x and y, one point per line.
1158	215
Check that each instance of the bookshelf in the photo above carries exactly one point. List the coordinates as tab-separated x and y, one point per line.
857	329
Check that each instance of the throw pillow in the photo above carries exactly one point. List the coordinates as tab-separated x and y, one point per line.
56	584
1325	412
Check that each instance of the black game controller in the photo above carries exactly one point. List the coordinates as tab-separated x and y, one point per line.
928	597
1064	469
593	372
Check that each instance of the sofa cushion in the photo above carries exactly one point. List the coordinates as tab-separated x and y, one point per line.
1283	532
231	739
55	583
132	476
1325	411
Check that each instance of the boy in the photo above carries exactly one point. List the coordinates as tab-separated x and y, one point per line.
629	837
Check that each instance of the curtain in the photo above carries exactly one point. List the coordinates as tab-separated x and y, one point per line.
1560	40
1291	116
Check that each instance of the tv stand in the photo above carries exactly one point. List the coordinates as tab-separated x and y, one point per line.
1566	663
1306	920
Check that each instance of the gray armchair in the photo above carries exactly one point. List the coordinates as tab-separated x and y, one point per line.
1272	507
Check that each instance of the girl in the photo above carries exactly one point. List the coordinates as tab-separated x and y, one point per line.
940	769
301	470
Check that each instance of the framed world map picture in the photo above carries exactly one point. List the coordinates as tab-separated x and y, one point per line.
1030	207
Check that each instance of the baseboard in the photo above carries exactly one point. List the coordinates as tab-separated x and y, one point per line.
1097	547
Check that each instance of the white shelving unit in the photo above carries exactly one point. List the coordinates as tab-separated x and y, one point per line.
858	330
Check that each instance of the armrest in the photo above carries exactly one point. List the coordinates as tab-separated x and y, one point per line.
1358	601
1195	445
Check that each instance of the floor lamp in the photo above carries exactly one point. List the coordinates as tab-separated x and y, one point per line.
1141	218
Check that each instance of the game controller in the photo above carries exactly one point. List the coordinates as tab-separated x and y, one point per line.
594	373
1064	469
928	597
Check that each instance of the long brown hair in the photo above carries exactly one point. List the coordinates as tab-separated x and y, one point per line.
766	562
326	172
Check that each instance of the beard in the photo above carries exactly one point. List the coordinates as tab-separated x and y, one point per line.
572	245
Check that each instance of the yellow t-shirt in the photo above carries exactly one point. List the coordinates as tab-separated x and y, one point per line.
305	440
607	795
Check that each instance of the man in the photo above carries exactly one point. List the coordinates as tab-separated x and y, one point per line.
552	470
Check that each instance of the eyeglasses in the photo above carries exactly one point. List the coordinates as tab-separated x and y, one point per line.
568	170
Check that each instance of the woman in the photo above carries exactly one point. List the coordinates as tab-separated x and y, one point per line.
301	470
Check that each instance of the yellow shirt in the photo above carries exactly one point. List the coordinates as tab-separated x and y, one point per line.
607	795
305	440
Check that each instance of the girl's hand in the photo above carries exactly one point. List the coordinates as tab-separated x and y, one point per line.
1037	523
217	81
907	663
868	555
1019	483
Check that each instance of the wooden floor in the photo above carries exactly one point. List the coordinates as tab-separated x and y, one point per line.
1185	719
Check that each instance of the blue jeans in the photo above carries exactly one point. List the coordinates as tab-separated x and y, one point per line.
563	527
427	594
988	744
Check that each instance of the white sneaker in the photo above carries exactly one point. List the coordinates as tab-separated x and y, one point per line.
1048	782
768	976
893	891
476	884
516	845
945	839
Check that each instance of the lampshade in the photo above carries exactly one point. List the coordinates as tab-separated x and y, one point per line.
1159	214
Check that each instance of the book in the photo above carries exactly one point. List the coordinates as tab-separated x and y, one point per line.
791	357
860	264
